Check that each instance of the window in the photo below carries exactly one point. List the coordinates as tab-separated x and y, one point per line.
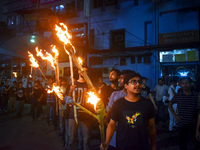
17	20
13	20
139	59
132	59
147	60
97	3
117	39
123	61
136	2
80	5
179	55
96	61
148	27
56	9
111	2
59	9
91	38
70	7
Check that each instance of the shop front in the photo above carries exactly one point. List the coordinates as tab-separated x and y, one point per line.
178	63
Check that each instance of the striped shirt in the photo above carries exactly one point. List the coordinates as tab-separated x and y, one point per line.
188	107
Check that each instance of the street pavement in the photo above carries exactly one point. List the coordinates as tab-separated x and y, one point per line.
24	134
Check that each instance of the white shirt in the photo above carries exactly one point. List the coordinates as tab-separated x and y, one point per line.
170	92
24	81
161	91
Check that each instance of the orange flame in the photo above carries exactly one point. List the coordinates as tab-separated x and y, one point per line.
80	60
30	76
34	62
64	35
15	74
93	99
55	51
57	91
48	56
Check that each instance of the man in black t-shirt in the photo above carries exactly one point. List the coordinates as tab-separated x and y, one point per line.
36	100
145	89
106	91
82	129
135	117
20	99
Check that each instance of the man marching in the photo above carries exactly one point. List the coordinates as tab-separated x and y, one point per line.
135	117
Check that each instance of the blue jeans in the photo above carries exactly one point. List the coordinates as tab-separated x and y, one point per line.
83	132
66	133
51	110
61	121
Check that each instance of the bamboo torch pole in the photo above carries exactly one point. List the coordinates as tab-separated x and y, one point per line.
73	92
57	82
100	109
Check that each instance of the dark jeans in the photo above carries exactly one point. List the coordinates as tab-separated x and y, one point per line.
37	106
83	132
5	102
184	133
111	147
51	111
161	110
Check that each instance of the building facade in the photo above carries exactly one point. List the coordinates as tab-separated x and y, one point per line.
157	38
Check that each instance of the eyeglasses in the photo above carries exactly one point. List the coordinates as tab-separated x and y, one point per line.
134	82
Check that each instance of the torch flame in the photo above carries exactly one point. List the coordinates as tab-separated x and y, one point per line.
64	35
34	62
15	74
30	76
54	50
80	60
48	56
57	91
93	99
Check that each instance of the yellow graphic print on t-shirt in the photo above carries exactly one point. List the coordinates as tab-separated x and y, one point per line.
133	119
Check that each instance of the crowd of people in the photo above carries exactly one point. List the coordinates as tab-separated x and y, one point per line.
132	109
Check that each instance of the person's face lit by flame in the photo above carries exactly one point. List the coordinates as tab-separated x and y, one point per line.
113	76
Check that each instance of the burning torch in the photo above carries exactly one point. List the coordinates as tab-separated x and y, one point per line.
64	36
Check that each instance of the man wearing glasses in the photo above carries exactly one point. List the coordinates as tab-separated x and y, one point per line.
135	117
